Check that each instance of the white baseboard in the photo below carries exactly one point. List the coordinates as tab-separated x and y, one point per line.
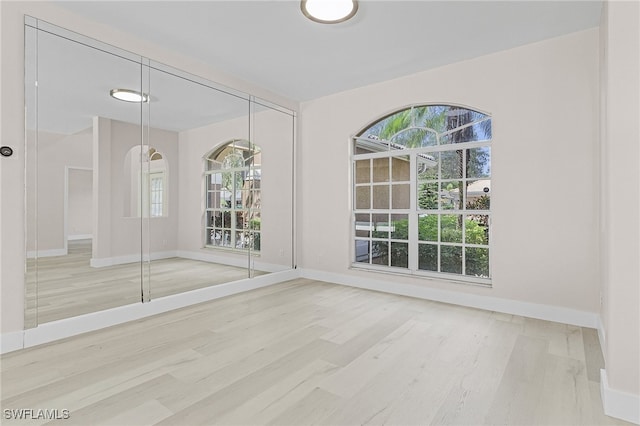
507	306
80	237
618	404
46	253
55	330
238	261
11	341
131	258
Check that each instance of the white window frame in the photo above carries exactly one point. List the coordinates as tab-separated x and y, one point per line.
414	212
233	209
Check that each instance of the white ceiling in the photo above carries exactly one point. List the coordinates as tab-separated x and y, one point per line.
271	43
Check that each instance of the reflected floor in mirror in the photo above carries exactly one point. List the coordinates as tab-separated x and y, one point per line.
68	286
309	352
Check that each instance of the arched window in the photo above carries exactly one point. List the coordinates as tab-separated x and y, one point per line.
422	192
232	182
145	183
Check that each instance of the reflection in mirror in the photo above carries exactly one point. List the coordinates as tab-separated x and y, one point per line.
74	133
145	191
191	186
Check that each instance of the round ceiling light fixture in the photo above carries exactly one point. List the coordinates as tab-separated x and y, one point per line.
329	11
129	95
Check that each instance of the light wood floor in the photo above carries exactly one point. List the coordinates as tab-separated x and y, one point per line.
307	352
68	286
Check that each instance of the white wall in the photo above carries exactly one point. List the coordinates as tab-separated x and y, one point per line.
79	203
543	98
55	153
620	207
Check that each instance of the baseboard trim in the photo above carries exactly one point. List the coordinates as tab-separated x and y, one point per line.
46	253
11	341
238	261
131	258
69	327
80	237
489	303
618	404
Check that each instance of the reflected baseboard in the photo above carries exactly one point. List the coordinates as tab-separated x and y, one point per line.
131	258
80	237
239	260
32	254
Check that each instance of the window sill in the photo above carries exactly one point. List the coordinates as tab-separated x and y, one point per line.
255	253
444	277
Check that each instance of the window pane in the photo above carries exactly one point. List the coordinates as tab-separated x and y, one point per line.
254	241
414	138
210	237
399	227
240	239
428	166
477	229
428	257
478	194
217	219
400	168
363	252
477	262
363	197
428	196
476	132
213	199
428	227
226	238
214	181
363	225
450	195
451	228
381	197
381	225
240	215
380	253
451	163
400	254
400	197
363	171
479	162
381	169
451	259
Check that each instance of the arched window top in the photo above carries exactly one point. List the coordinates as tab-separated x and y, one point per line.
236	153
425	126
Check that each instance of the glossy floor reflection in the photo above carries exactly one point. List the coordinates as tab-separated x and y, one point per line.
68	286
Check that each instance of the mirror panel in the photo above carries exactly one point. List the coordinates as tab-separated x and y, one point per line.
273	131
132	201
190	119
84	254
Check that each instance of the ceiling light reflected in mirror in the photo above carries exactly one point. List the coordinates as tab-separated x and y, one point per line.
127	95
329	11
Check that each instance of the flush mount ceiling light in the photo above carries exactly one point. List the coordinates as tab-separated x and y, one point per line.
329	11
129	95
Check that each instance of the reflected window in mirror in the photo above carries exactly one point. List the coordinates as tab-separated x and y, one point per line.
145	177
232	196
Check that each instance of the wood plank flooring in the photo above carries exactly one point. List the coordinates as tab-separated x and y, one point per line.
306	352
68	286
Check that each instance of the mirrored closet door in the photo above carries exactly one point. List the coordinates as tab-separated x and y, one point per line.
144	181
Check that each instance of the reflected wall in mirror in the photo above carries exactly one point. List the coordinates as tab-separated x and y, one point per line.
131	201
